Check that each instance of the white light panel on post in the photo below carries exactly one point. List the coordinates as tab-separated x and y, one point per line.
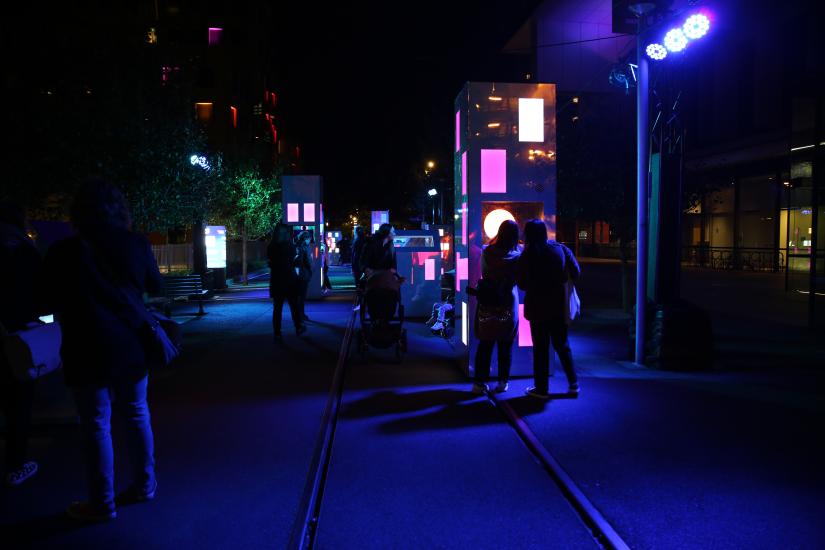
531	119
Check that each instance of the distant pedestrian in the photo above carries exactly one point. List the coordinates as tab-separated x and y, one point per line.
359	240
496	322
92	278
304	264
326	285
18	280
543	269
284	280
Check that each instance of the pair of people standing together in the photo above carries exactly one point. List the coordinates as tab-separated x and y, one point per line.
290	266
541	269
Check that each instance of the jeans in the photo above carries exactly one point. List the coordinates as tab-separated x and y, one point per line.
16	401
94	405
484	354
278	310
543	332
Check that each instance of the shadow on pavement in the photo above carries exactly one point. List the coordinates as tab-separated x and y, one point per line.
390	402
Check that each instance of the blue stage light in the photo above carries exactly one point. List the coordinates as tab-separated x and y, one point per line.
675	40
656	52
696	26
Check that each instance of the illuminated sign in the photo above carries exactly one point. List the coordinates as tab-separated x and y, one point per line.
215	239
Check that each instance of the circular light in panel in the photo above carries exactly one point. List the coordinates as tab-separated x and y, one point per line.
493	221
656	52
696	26
675	40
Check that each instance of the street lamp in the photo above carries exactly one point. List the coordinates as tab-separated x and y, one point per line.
433	192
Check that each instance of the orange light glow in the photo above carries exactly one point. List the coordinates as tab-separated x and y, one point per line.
494	125
494	98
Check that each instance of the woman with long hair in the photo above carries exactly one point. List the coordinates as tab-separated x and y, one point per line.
89	275
496	323
543	269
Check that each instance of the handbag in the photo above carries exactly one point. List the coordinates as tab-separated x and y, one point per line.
572	303
161	338
33	351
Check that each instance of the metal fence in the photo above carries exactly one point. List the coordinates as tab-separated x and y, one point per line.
730	258
173	257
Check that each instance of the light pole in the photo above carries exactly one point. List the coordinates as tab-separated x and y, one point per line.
433	192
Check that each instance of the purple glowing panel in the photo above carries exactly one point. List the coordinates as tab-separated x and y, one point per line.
429	269
464	173
458	131
215	36
292	212
525	339
493	170
464	223
462	269
309	212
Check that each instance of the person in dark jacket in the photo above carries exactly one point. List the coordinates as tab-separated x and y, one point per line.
379	252
89	276
283	280
358	242
18	278
496	321
304	264
542	271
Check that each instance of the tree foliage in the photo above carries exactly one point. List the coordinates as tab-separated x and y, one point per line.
251	203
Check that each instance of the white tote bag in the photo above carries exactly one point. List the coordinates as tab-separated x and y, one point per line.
33	351
572	303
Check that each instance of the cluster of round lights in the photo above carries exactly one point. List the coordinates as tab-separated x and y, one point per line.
696	26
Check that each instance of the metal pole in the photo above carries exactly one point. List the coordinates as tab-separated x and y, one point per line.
642	169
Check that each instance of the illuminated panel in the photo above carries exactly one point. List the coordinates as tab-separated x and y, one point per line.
493	170
215	240
525	339
215	36
309	212
464	173
234	116
465	327
531	119
429	269
464	215
292	212
458	131
493	221
462	265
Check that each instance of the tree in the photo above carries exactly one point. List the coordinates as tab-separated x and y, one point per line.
251	205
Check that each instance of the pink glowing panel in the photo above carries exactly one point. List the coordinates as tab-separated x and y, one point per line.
309	212
458	131
429	270
215	36
525	340
464	173
531	119
292	212
465	325
493	170
464	215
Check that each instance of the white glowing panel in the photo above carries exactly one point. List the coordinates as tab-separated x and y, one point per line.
292	212
215	238
465	328
429	269
309	212
493	221
531	119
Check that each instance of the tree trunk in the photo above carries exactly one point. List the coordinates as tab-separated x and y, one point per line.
243	255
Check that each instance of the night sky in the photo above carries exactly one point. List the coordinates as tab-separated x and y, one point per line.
369	90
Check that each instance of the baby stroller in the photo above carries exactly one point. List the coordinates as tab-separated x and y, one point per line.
382	315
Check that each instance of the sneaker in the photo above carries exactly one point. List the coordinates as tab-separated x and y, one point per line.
133	495
83	511
18	476
574	389
502	387
479	388
533	392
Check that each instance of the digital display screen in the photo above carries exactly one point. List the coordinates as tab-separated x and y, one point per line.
215	239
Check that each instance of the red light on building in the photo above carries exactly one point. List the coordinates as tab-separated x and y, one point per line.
234	116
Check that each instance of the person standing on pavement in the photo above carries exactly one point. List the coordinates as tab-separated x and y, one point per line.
542	271
496	322
91	277
18	306
359	240
303	261
284	280
326	284
379	252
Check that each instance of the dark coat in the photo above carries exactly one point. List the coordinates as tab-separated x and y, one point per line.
542	272
358	256
99	346
19	276
378	255
283	279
